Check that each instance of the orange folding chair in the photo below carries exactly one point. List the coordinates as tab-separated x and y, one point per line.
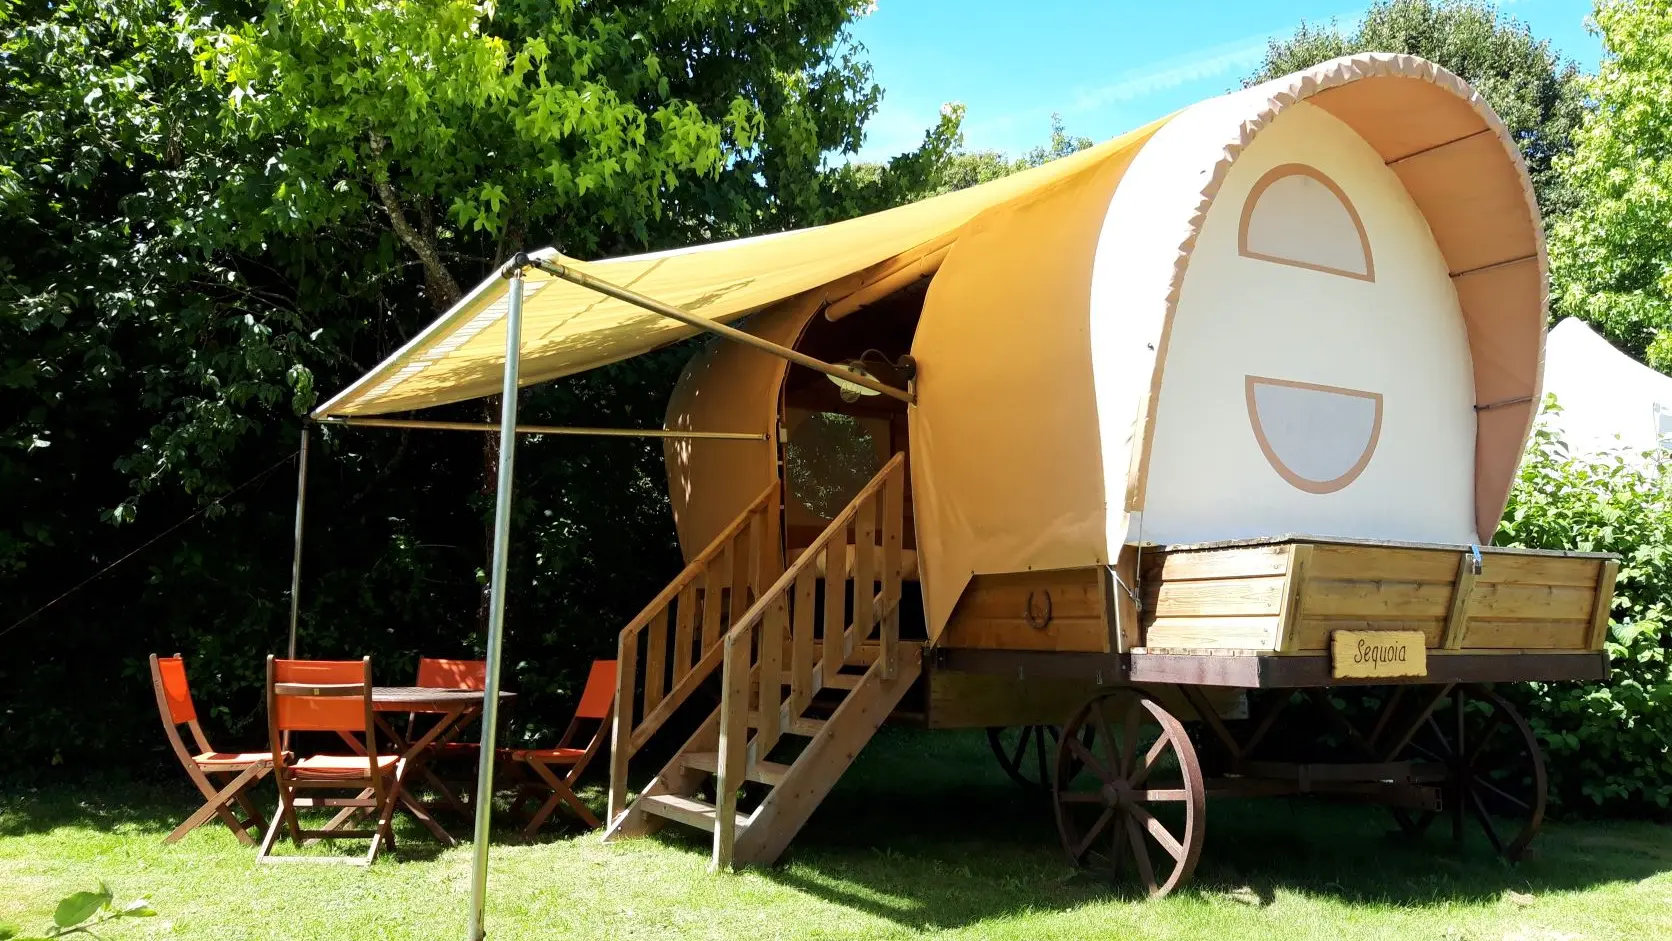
436	673
328	696
450	674
224	778
596	705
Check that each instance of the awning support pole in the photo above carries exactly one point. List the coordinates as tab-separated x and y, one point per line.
655	306
353	422
296	555
483	796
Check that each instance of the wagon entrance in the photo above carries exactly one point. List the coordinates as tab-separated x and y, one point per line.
836	437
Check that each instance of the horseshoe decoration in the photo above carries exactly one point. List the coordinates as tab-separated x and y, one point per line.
1038	621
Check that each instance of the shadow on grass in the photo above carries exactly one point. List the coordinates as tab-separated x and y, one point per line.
150	810
927	832
104	803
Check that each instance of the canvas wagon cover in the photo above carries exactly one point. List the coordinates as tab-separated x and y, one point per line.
1032	437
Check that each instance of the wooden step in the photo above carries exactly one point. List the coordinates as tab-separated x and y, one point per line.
843	680
687	810
764	772
797	725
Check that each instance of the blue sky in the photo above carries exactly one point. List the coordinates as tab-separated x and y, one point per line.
1105	66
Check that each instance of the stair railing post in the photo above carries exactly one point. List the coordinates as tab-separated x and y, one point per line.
621	733
893	522
734	735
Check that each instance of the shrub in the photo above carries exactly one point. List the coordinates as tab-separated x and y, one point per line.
1608	743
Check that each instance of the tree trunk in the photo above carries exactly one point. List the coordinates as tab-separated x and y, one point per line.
443	290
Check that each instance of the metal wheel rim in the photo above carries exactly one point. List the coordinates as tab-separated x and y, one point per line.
1034	750
1467	794
1126	792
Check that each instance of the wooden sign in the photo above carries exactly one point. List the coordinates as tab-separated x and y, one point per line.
1378	653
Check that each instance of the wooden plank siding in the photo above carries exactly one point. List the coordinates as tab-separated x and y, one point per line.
1288	598
993	612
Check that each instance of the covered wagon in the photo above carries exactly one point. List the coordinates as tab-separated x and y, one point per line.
1230	403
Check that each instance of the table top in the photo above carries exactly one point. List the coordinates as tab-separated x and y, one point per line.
405	698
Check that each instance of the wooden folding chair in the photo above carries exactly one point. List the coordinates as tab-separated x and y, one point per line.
434	673
224	778
596	705
328	696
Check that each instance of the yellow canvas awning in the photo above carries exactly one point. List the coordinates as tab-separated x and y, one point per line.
568	329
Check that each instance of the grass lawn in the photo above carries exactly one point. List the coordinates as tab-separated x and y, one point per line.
924	837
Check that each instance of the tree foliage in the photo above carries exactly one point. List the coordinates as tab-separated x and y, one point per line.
211	211
1533	89
1608	745
1612	253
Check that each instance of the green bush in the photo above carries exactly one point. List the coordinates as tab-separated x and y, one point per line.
1608	744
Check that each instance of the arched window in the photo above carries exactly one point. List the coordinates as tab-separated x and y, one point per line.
1295	215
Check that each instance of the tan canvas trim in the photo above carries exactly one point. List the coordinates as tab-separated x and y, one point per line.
1300	169
1277	463
1284	93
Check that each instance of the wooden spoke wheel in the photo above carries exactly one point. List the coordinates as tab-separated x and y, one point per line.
1493	770
1025	752
1128	791
1028	753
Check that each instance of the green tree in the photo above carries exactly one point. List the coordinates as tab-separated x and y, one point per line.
1061	144
211	211
1535	91
1612	253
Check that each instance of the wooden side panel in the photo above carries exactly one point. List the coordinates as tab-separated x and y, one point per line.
1067	612
1216	599
978	700
1529	602
1216	563
1211	633
1290	598
1517	602
1493	634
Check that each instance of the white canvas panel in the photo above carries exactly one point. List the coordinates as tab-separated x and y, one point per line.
1149	217
1350	351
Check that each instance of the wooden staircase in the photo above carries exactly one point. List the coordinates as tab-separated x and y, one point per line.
785	648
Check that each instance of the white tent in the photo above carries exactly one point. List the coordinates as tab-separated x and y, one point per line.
1609	401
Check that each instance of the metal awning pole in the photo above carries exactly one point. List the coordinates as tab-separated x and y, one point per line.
483	796
655	306
296	555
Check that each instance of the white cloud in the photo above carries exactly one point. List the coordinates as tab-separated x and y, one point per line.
1236	56
1171	73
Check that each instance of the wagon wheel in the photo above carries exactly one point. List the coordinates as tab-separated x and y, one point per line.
1025	752
1494	770
1132	794
1028	752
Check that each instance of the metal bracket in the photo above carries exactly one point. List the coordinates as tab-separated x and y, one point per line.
1475	560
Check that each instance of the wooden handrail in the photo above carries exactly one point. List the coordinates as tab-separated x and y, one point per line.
837	525
747	552
753	675
690	572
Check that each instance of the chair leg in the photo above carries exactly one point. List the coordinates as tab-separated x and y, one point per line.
272	832
288	806
385	831
216	806
452	800
540	816
560	792
251	811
